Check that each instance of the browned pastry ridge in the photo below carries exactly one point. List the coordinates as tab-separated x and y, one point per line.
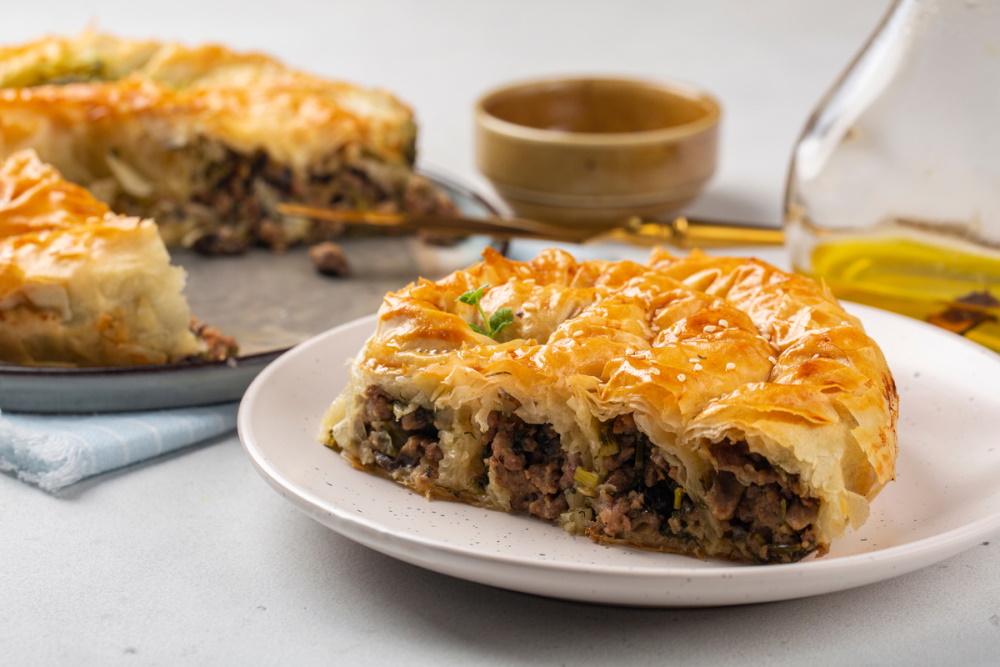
707	406
208	141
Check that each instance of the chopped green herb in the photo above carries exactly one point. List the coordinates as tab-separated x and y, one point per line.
494	323
639	460
585	477
609	446
678	497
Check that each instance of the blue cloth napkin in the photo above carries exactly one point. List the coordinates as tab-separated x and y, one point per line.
54	451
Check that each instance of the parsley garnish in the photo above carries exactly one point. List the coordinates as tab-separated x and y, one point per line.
496	322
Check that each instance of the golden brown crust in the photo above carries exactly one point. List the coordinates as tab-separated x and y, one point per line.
249	100
80	285
817	346
36	199
700	352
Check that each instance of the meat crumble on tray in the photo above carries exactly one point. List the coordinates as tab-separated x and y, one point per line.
716	407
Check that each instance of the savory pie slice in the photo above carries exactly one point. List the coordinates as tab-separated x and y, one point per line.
81	286
207	141
707	406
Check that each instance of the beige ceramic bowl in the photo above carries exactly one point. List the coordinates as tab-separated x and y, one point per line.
595	151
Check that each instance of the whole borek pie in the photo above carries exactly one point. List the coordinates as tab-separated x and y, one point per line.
208	141
707	406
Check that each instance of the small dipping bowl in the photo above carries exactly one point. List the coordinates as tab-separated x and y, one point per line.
593	152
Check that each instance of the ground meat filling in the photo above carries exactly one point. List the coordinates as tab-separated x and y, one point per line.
769	512
241	192
218	346
527	461
405	442
235	205
766	515
640	496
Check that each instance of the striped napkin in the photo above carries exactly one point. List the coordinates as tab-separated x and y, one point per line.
53	451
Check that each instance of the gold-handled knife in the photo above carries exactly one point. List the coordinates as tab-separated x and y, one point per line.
682	232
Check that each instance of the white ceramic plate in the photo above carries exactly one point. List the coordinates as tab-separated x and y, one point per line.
268	302
946	497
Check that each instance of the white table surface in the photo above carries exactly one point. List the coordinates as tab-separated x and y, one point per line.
193	559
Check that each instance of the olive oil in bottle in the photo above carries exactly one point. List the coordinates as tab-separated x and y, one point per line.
954	287
893	194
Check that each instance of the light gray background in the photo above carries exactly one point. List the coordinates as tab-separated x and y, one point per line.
193	559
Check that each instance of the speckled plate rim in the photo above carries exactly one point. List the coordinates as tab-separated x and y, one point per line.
54	390
913	524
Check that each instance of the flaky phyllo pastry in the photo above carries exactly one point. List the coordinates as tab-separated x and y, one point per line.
208	141
707	406
81	286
